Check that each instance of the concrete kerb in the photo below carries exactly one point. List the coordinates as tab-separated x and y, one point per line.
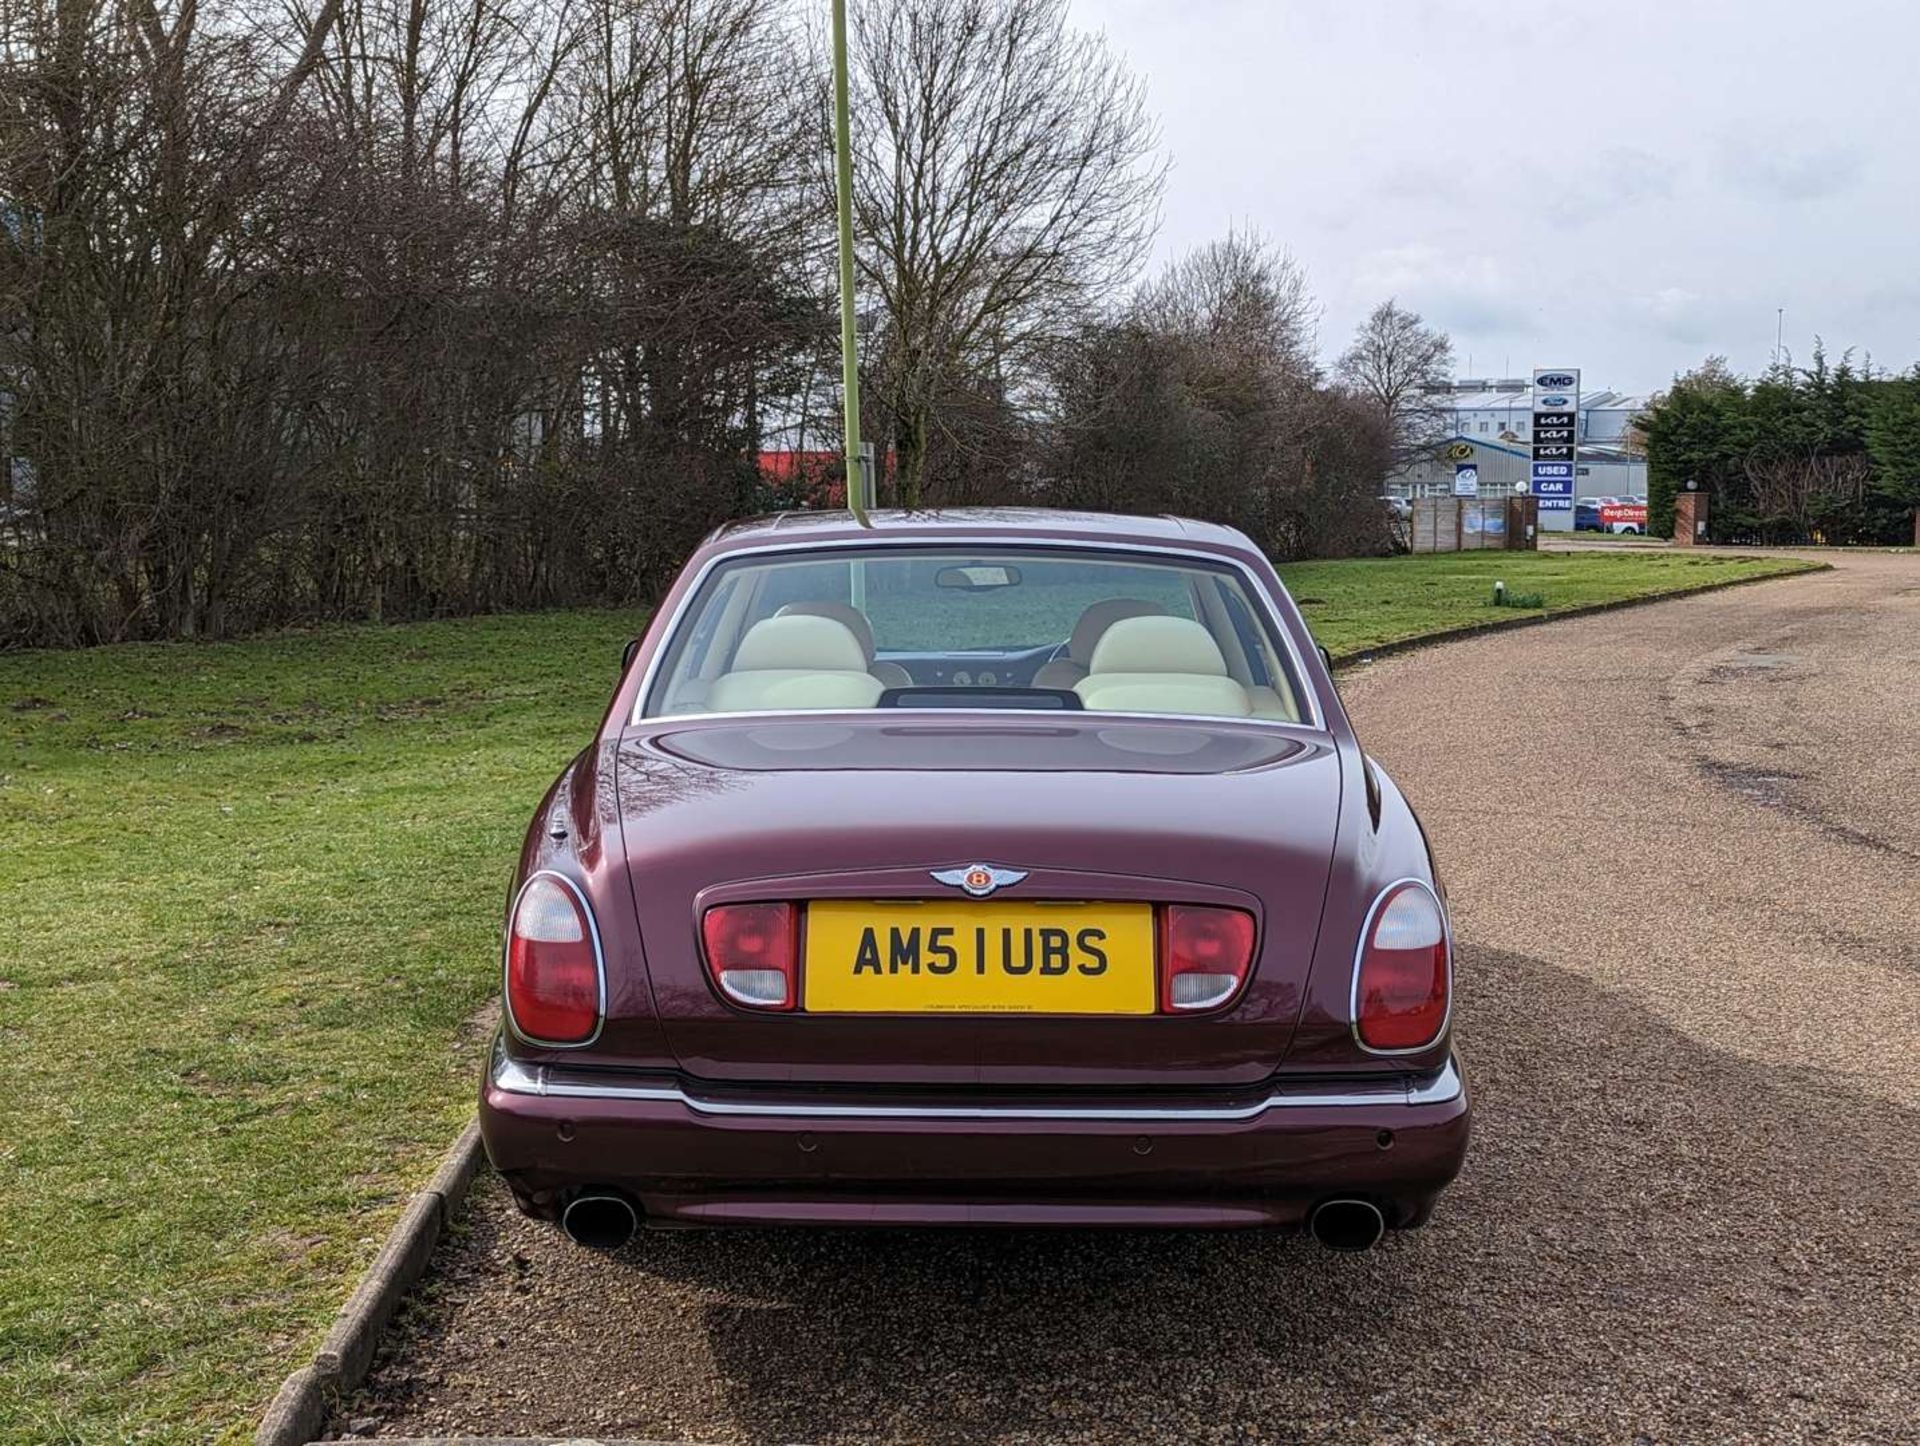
299	1410
1534	620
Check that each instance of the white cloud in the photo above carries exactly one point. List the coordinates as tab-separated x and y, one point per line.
1630	187
1474	295
1677	314
1615	179
1790	171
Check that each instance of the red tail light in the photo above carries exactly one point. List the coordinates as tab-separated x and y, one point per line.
1204	956
553	964
1402	984
753	953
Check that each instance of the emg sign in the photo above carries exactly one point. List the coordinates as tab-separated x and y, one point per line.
1556	381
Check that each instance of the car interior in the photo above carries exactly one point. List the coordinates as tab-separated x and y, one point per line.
1122	655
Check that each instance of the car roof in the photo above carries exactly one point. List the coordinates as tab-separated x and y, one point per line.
1013	524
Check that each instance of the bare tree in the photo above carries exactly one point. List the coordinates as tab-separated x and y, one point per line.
162	418
382	308
1243	298
1203	399
1005	173
696	113
1396	366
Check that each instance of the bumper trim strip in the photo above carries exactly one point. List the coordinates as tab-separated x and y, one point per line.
511	1076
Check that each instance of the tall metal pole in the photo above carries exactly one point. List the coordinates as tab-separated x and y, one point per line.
857	479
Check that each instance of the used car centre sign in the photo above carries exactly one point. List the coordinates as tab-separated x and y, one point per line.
1556	436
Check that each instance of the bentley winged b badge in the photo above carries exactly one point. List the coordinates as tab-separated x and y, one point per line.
979	880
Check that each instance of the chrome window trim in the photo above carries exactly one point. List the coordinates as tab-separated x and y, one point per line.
1308	698
1360	949
511	1076
599	963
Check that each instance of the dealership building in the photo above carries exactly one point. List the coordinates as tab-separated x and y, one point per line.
1489	424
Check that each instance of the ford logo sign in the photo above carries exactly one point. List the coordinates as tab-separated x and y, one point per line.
1555	403
1556	381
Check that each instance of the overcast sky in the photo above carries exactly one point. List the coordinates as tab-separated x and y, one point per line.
1623	187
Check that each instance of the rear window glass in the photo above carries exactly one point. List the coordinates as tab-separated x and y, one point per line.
941	628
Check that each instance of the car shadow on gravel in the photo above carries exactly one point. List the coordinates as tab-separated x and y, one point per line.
1652	1239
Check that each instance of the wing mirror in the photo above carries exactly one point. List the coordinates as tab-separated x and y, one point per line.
627	655
1325	656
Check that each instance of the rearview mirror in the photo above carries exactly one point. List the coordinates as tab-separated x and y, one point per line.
977	579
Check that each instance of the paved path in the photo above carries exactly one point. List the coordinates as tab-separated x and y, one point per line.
1683	844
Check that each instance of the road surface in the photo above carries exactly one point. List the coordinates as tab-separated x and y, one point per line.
1683	845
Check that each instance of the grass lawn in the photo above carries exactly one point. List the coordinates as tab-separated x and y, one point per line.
1354	606
253	892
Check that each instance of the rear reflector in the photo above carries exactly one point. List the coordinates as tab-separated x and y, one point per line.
1402	983
1205	954
553	965
753	954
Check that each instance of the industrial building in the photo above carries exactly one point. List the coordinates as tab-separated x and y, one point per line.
1488	422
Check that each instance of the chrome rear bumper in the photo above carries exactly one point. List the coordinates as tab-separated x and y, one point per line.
511	1076
695	1153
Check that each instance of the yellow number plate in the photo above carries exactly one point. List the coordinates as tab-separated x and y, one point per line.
869	957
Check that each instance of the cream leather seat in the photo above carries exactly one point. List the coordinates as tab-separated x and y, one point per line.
1087	633
796	662
891	675
1272	703
1162	665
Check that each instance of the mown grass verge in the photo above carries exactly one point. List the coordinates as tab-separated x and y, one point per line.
1358	605
253	893
252	897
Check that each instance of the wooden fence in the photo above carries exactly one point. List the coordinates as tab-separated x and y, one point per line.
1474	524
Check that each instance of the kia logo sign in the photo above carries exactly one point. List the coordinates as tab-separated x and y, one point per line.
1556	381
1553	404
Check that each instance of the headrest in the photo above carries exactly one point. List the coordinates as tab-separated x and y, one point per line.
1095	621
855	620
799	644
1159	645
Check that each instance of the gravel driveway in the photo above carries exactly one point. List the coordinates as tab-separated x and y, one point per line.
1683	844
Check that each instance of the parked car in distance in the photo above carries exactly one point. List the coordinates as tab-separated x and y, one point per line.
997	867
1586	515
1624	516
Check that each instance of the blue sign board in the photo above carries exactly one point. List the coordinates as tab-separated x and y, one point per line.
1553	479
1556	504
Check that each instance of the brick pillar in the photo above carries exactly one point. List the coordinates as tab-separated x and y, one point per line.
1689	519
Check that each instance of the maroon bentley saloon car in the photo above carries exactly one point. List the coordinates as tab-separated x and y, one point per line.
986	868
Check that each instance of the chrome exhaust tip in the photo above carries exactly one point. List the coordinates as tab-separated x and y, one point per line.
600	1220
1347	1224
